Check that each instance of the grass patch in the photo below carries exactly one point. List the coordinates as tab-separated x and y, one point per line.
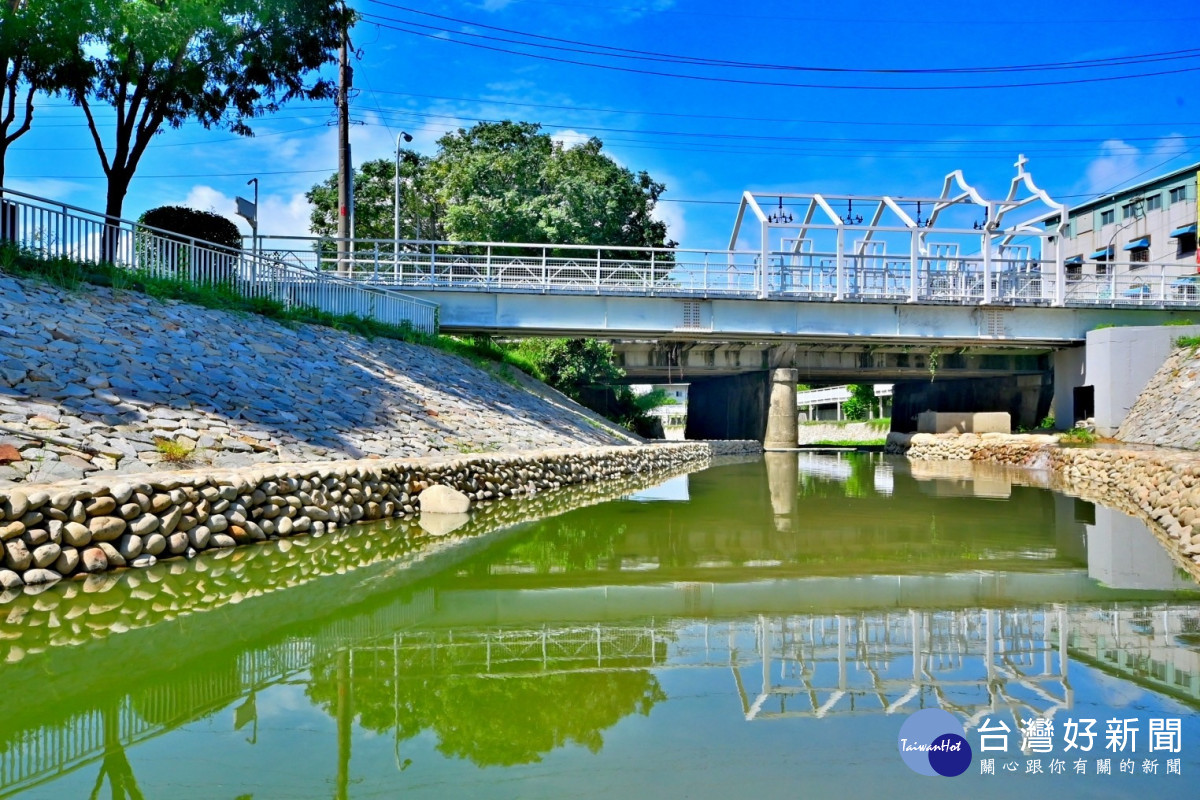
1188	341
884	424
855	443
174	452
1077	436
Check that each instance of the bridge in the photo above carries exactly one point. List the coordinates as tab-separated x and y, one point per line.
816	287
820	288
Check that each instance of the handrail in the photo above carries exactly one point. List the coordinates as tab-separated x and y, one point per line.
55	229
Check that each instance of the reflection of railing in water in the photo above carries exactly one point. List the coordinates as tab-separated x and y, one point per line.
973	663
34	757
512	653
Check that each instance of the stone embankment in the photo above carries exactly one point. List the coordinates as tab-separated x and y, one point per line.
1160	486
96	380
55	531
1167	412
36	620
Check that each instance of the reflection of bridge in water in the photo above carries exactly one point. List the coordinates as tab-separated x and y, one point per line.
1008	662
793	620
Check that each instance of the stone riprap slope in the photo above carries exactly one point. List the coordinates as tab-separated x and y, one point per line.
112	373
399	546
1167	412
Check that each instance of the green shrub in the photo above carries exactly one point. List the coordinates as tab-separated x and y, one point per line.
862	400
190	223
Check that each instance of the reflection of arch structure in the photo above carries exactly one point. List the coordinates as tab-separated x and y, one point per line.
970	663
956	247
973	663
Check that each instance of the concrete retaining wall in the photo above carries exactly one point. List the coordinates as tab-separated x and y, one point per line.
1121	362
849	432
1160	486
54	531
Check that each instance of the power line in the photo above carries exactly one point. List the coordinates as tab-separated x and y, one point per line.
797	121
782	84
624	52
810	139
777	18
190	175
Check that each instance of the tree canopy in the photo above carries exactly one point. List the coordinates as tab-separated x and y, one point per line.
218	62
505	181
374	198
39	46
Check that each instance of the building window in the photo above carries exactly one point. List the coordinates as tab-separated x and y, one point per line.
1140	255
1186	244
1075	271
1129	210
1179	194
1101	268
1154	202
1108	217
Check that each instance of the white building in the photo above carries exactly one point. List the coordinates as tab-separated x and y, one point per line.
1135	242
826	404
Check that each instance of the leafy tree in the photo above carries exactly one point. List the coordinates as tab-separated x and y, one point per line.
862	400
218	62
39	44
573	365
374	201
506	182
654	399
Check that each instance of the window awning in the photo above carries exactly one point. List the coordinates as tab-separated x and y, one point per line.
1102	253
1186	280
1074	261
1138	244
1184	231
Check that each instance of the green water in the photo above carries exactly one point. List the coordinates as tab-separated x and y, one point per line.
761	628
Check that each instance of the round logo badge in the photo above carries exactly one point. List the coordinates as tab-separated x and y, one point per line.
932	742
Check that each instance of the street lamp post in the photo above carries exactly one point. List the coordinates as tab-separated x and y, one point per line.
403	136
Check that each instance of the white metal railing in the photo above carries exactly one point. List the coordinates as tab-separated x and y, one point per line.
504	266
940	277
50	229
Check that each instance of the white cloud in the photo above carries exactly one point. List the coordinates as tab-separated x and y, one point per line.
279	215
672	214
569	138
50	188
1122	162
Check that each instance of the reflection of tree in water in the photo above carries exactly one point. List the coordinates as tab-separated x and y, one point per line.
495	720
564	547
859	483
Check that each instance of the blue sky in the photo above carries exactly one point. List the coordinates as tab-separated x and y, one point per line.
713	134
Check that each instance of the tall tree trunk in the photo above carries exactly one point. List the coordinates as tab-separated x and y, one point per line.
118	186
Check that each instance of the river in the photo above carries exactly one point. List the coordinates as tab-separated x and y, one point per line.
761	628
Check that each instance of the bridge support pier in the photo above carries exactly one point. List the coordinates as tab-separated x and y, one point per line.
754	405
782	424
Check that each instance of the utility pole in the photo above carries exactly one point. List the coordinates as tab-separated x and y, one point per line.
345	165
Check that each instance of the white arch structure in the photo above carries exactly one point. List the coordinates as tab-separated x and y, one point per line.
819	251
